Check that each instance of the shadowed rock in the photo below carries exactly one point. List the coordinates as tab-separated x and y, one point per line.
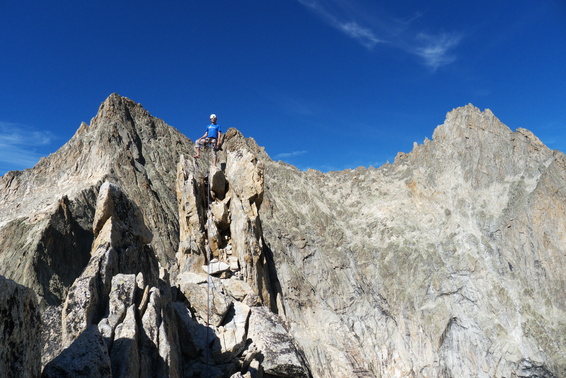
20	348
123	294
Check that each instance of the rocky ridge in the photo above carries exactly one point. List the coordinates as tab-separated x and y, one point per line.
447	262
123	144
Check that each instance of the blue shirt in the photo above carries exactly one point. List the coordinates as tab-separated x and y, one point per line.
213	131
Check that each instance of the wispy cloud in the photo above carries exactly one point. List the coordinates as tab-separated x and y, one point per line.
363	35
436	50
286	155
18	146
369	27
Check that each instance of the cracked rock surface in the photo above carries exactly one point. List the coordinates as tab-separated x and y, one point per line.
449	262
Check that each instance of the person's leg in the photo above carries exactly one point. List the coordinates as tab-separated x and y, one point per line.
213	148
197	148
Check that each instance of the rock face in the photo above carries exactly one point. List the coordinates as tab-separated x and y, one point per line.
20	352
123	144
226	273
219	218
446	263
120	307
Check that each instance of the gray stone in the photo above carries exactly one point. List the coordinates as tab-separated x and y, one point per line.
216	267
20	334
231	337
87	356
448	262
136	322
191	199
221	214
112	202
233	263
121	297
237	289
217	182
191	277
125	353
445	262
51	334
209	304
47	212
280	355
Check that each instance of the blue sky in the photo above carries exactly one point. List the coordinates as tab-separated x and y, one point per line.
328	85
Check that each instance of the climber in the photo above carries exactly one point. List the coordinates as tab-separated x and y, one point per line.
211	138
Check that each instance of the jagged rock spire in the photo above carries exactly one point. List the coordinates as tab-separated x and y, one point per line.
447	262
123	143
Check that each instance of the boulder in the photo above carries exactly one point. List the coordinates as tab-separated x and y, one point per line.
217	182
281	357
216	267
220	214
87	356
208	303
231	336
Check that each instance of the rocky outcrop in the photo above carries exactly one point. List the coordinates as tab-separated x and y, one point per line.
123	144
219	218
226	275
20	352
120	317
121	305
445	263
448	262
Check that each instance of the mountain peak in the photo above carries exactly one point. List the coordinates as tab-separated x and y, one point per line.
444	248
465	121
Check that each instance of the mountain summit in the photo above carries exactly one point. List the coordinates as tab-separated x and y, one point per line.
447	262
55	200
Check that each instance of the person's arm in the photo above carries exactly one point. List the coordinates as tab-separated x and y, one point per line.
219	139
203	136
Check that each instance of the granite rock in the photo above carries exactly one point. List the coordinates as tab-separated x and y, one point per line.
20	334
447	262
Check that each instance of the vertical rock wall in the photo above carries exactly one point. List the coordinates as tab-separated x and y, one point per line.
118	318
445	263
20	347
225	273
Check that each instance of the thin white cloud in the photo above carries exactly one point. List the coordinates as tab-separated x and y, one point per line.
286	155
362	34
17	146
436	50
370	27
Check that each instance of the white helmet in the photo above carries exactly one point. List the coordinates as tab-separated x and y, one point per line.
213	116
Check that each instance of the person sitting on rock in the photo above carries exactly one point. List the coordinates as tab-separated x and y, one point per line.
210	138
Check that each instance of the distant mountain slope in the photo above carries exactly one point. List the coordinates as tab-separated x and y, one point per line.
449	262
